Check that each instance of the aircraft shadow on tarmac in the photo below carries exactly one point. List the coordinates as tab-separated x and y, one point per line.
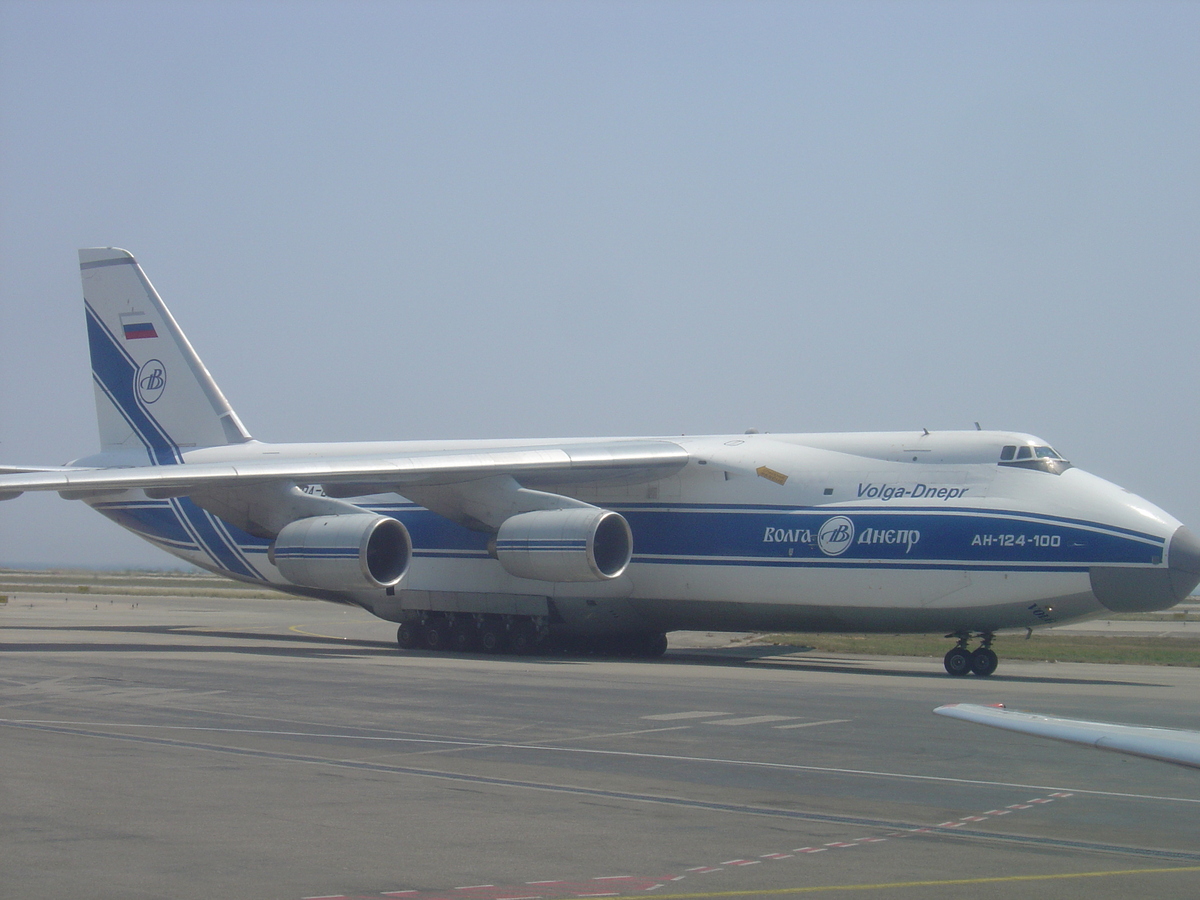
317	646
793	658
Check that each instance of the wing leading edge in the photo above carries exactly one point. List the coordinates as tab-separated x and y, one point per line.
1165	744
373	474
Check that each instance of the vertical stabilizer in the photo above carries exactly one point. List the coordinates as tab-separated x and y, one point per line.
152	391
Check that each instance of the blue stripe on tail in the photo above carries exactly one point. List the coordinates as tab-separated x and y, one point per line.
116	374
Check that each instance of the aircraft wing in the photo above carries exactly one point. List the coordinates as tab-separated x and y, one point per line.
18	470
373	474
1166	744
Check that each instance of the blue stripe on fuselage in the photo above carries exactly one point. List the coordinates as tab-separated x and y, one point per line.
884	537
904	537
910	539
183	525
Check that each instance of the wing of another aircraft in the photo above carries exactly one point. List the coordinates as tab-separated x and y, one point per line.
1167	744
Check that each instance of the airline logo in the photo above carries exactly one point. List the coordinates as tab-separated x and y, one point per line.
835	536
151	380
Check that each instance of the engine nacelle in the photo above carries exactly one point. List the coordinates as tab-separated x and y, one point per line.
343	553
576	544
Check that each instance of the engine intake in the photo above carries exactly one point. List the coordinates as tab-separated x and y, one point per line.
341	553
577	544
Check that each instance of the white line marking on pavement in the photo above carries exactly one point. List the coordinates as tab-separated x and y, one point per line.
630	754
671	717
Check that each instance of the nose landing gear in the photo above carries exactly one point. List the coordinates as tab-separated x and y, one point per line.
982	661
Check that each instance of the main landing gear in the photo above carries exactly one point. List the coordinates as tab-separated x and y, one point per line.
982	661
461	633
464	633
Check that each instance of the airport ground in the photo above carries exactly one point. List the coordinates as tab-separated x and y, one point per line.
202	746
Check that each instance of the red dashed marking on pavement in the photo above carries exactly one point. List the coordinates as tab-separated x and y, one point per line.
630	883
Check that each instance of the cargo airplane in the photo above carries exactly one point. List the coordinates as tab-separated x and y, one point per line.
608	542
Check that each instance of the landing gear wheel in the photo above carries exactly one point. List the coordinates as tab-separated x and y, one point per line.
522	638
462	638
957	661
407	636
983	662
491	638
650	645
435	636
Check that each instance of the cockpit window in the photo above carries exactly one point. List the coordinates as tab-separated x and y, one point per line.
1042	458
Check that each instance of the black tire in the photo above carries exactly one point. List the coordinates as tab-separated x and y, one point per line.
462	638
491	638
435	636
984	662
656	645
645	645
408	636
957	661
522	638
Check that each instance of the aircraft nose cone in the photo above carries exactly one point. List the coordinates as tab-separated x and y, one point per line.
1145	590
1183	559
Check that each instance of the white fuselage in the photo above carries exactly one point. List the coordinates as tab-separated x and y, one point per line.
915	532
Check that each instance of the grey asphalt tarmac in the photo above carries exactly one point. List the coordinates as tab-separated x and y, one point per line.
192	748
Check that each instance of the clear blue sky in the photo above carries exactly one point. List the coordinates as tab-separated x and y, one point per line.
505	219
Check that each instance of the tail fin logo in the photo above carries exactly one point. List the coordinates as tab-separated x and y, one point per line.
151	380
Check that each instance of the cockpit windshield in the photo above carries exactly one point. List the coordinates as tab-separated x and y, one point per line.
1033	456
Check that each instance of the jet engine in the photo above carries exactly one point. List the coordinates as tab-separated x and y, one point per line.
574	544
341	553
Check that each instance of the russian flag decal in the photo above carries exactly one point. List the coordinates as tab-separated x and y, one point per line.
137	326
